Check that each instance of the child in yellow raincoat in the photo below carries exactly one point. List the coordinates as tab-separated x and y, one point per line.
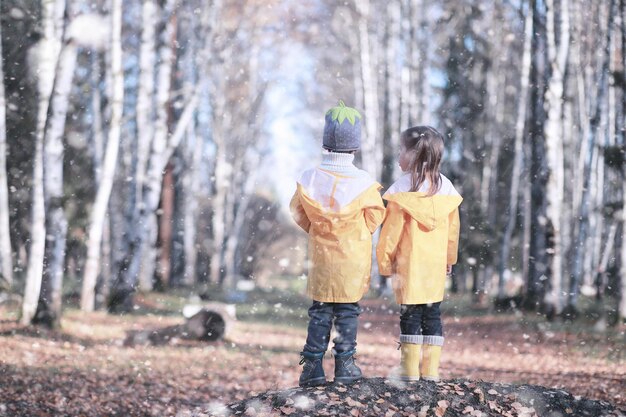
418	246
339	206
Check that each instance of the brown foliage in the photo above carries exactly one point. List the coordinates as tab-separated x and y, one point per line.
85	369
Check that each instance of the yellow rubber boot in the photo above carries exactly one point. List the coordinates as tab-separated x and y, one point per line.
410	362
431	355
410	352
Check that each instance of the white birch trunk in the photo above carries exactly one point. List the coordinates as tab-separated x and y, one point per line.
353	39
553	132
490	170
46	55
6	262
596	216
157	160
604	259
145	94
126	282
38	240
594	129
405	71
98	159
394	86
370	91
232	242
416	64
49	308
191	207
105	185
210	25
219	199
622	272
391	95
96	110
518	160
622	291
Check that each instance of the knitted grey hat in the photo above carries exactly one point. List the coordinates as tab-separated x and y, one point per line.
342	129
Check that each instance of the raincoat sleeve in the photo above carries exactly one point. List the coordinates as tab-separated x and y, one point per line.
374	212
298	213
453	236
389	239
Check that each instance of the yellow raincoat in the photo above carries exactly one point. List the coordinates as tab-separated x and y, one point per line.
340	216
419	238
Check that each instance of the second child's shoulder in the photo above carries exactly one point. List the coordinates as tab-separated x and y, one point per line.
447	188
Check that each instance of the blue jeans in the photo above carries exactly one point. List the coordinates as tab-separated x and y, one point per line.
345	316
421	319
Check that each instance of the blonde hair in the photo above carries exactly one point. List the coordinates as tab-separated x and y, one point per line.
425	146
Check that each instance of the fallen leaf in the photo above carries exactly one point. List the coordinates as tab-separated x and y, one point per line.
342	389
287	410
353	403
442	406
480	394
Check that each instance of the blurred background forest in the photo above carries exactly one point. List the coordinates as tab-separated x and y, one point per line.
152	145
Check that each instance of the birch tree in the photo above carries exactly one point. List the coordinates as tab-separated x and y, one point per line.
99	210
201	54
537	267
49	305
369	156
6	255
391	95
512	210
44	56
622	272
593	133
553	134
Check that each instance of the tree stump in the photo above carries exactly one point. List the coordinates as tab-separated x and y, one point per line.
209	322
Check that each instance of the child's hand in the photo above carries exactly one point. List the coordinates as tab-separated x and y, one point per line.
448	269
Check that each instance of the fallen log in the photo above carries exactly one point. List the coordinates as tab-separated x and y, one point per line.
207	322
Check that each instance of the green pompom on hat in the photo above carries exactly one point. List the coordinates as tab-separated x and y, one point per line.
342	129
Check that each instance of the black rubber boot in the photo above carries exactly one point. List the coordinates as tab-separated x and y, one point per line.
346	370
312	372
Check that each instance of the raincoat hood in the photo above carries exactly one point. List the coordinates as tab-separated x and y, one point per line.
429	211
327	191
